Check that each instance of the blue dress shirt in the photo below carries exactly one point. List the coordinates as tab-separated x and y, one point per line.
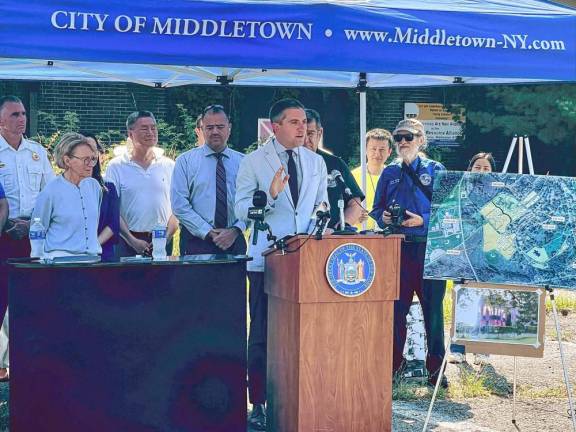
193	189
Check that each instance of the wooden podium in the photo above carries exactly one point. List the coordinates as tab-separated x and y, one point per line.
330	356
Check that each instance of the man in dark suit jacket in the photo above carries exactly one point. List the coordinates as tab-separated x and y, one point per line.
353	211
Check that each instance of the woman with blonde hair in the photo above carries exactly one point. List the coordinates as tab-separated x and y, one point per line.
69	205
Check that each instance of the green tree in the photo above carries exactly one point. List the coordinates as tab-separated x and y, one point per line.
546	112
53	128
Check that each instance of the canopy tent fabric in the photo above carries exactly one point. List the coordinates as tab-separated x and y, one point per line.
172	76
303	43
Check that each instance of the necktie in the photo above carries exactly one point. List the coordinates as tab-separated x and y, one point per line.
221	212
293	180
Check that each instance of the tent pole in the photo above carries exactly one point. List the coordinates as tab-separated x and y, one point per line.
362	94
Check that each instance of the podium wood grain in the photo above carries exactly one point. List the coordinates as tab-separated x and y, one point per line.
329	356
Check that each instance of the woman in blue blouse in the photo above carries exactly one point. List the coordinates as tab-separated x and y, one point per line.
69	205
109	222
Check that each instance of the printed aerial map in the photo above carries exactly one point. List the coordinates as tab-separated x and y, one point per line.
503	228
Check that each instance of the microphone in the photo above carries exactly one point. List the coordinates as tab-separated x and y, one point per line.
336	177
257	213
319	217
259	199
322	218
321	211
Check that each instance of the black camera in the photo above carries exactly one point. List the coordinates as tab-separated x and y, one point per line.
397	214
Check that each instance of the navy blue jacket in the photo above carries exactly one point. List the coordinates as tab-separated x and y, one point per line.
396	186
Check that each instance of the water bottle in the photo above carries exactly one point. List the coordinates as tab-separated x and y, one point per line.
37	235
159	241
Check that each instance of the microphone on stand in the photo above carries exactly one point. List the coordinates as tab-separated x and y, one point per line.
319	220
257	213
335	178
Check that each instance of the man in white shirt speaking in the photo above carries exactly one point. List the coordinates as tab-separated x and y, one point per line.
142	177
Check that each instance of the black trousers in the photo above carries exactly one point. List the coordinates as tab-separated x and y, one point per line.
191	245
431	295
257	339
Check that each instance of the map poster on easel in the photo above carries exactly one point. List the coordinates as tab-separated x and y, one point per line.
496	319
509	229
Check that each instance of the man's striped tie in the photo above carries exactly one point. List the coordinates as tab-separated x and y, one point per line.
221	212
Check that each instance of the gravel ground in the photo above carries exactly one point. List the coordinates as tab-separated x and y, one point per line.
541	402
534	413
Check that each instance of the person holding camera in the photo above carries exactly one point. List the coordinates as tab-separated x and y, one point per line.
402	206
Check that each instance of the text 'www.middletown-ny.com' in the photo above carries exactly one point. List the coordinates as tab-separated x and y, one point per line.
440	37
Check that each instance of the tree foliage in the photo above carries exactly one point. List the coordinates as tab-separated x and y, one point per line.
547	112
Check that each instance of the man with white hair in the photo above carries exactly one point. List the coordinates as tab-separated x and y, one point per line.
402	205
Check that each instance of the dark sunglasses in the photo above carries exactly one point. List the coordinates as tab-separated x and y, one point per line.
215	108
409	137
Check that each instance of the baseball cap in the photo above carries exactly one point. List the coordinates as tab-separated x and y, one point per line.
410	125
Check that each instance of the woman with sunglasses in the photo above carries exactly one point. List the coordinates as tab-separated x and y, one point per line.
109	221
402	205
69	205
480	163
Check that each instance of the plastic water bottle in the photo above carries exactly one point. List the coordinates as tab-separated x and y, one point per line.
159	241
37	235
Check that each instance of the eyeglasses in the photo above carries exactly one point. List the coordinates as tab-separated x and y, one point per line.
409	137
88	161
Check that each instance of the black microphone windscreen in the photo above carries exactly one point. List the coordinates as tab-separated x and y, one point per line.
259	199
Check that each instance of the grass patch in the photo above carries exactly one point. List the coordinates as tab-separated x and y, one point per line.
470	385
410	390
531	392
565	302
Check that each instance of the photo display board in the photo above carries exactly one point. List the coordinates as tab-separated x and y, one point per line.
513	229
499	320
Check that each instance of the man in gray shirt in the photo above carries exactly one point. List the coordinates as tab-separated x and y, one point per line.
204	188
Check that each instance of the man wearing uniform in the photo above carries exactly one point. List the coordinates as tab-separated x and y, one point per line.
294	180
142	178
353	210
402	203
203	191
24	171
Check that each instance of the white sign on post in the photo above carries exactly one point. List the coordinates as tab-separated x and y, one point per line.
441	128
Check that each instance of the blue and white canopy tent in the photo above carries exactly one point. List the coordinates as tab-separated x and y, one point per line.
348	43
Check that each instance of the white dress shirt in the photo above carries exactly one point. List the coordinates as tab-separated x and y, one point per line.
23	173
283	156
144	193
193	191
70	215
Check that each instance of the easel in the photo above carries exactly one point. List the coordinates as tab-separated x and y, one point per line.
523	143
